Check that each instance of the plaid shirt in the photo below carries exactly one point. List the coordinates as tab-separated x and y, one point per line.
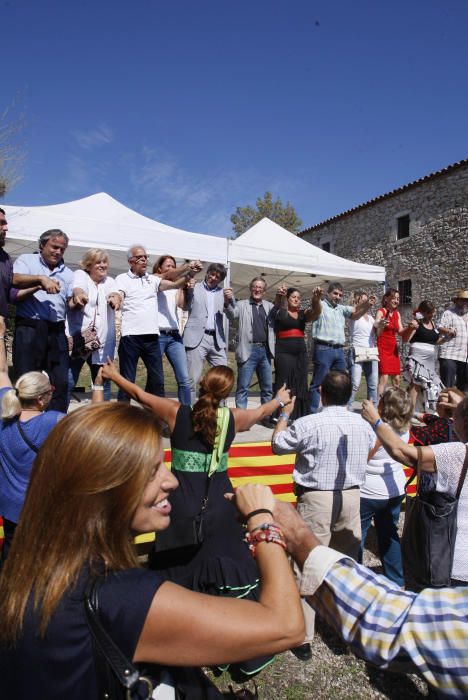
457	348
331	446
330	324
390	627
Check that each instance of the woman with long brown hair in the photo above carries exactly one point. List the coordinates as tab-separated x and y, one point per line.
98	479
221	564
388	324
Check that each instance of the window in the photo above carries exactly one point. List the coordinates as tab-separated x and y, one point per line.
405	291
326	247
403	227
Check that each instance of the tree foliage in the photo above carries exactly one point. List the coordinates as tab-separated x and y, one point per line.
283	214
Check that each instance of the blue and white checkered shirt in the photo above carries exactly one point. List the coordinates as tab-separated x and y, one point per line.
425	632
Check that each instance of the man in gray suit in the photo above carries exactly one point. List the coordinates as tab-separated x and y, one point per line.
204	337
256	344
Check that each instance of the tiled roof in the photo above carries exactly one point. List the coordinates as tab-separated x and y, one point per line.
387	195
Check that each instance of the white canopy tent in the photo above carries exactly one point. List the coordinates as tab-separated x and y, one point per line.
280	257
266	249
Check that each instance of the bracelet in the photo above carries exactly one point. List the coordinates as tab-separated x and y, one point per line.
97	387
284	416
281	403
268	532
257	512
376	424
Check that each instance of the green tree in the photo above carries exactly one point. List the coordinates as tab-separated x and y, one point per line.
283	214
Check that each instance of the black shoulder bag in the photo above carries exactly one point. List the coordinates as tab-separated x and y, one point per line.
117	677
28	442
429	532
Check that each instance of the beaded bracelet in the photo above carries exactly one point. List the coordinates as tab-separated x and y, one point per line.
268	532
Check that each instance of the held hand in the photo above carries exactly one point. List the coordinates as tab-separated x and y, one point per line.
317	294
380	325
449	400
413	324
80	299
196	265
281	291
369	412
252	497
49	285
372	299
228	294
109	370
114	300
283	395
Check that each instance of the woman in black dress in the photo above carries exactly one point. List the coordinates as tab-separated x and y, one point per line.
222	564
290	348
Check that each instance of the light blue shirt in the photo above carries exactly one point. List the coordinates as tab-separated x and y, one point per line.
40	305
330	324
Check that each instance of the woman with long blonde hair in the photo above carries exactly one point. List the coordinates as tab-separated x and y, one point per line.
98	479
221	564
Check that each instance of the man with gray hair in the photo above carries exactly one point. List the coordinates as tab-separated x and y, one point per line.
140	328
255	347
39	341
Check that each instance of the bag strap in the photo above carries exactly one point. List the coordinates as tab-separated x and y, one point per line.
222	417
462	475
28	442
108	652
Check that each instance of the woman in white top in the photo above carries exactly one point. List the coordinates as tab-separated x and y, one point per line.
384	486
362	335
94	302
445	461
170	340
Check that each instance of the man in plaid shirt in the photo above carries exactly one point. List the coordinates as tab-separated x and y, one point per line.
453	355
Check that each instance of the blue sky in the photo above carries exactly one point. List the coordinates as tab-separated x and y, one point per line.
185	109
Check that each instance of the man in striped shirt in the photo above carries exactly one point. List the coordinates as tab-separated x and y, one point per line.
425	632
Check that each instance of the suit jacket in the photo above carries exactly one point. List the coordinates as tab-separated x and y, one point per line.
198	315
243	311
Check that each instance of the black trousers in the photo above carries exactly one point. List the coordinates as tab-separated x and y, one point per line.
42	346
454	373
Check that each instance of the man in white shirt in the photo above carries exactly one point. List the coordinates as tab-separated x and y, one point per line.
140	328
453	356
331	456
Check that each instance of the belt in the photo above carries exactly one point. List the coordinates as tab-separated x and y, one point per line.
329	345
259	343
292	333
168	332
210	333
299	489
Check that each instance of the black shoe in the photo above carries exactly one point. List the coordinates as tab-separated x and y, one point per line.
302	652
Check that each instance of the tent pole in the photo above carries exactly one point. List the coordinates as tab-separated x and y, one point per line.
227	283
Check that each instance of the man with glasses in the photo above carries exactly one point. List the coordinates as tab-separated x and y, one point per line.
140	328
256	342
204	337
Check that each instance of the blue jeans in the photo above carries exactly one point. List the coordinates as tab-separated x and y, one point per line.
371	373
146	346
74	370
258	362
385	514
325	359
173	347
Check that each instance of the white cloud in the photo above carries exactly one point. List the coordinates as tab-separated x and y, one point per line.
93	138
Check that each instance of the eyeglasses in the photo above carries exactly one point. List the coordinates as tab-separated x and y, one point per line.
138	258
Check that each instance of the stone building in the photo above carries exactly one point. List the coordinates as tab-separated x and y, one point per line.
419	232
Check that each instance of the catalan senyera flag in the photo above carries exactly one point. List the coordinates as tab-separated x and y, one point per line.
255	462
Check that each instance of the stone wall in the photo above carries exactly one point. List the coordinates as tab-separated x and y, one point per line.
434	256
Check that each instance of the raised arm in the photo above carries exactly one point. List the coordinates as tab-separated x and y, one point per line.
191	629
361	308
245	418
400	451
165	409
315	309
4	377
409	331
165	284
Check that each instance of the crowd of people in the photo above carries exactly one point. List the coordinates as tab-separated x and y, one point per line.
218	589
